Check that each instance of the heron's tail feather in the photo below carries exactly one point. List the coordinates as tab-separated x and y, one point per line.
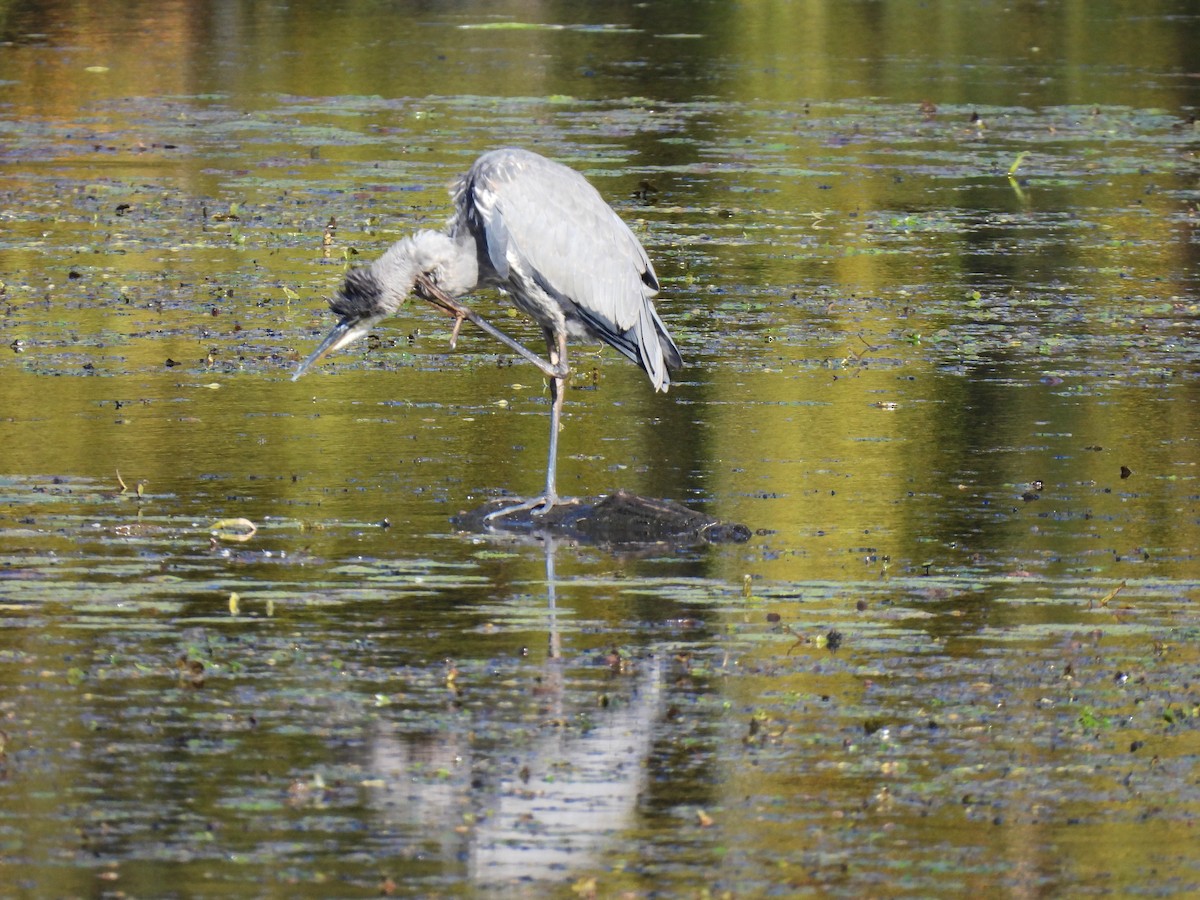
647	343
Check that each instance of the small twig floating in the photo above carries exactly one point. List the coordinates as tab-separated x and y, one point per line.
1104	601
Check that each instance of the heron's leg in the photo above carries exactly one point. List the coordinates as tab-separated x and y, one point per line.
556	347
443	301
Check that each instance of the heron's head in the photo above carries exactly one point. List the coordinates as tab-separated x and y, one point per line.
374	292
360	303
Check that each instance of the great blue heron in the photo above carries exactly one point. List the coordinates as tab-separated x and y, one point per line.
539	232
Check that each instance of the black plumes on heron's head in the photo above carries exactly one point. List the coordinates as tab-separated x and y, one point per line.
360	296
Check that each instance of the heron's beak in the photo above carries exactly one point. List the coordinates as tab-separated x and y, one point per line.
342	334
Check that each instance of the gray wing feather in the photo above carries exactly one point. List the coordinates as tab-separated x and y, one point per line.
547	222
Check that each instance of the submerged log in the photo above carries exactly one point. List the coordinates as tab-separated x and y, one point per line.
620	518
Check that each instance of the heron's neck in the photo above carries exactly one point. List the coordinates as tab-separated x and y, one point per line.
434	253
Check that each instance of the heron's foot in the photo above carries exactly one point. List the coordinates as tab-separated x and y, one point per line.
535	506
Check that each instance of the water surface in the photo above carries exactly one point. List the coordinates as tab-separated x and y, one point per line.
933	269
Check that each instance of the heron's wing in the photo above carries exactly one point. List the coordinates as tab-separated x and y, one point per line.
546	222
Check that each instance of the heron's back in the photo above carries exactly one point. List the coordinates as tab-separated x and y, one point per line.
547	238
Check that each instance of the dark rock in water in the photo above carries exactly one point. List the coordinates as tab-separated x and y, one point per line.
619	518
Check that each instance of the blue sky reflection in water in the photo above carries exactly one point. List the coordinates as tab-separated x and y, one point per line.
933	269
